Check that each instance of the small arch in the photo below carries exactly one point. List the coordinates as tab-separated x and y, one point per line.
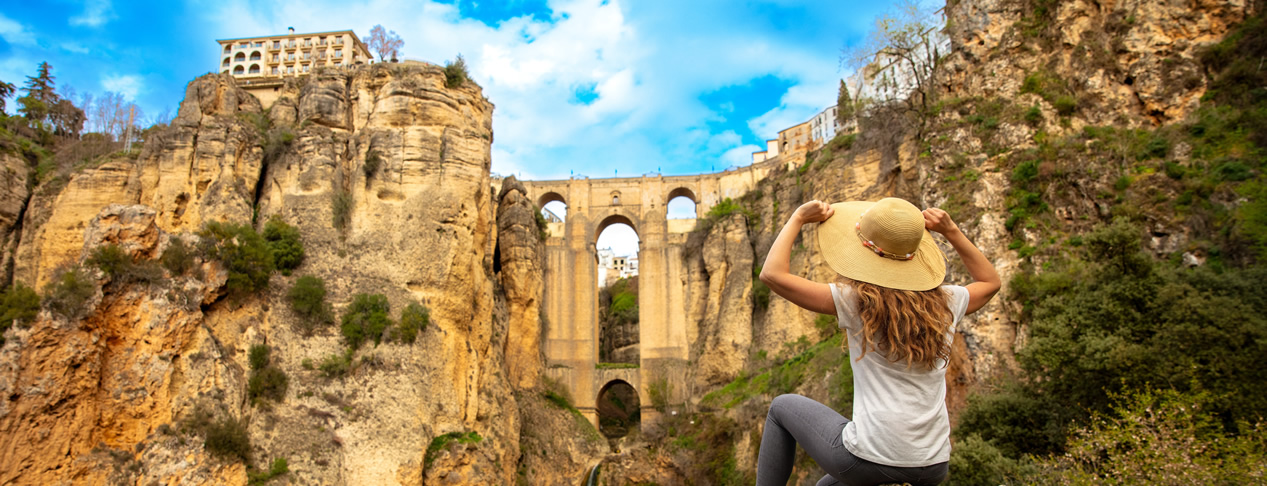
615	198
619	409
614	219
227	48
255	69
549	197
553	207
682	192
255	56
240	57
239	70
226	62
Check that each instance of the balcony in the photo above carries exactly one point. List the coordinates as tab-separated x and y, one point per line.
291	46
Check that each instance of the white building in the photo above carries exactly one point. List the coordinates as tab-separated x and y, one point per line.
889	78
823	127
612	268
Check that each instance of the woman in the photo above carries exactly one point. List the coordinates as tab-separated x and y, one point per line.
899	321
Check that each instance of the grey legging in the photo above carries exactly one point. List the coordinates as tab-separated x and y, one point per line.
794	419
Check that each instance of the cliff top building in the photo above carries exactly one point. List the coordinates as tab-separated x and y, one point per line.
260	63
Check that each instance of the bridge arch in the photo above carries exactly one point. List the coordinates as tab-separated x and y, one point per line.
682	191
550	197
618	407
618	218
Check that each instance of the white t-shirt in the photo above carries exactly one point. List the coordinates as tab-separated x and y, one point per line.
899	414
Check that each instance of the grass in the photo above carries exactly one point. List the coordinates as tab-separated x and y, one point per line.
439	443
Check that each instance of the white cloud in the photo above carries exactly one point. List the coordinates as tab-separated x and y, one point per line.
74	47
740	156
127	85
96	13
14	33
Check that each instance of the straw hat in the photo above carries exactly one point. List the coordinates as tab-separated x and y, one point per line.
882	243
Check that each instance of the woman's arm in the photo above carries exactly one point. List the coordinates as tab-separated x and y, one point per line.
987	281
776	271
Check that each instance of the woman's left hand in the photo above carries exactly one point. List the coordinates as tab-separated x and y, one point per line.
814	212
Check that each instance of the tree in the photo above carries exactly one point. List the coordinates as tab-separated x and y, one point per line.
67	119
40	94
6	90
385	43
902	53
844	105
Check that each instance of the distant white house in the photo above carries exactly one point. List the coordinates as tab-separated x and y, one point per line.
612	267
889	78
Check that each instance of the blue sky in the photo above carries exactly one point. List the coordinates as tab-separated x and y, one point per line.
588	87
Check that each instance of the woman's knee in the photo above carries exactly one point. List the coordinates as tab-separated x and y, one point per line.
783	402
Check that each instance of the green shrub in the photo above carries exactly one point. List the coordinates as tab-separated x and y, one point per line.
414	318
1159	437
341	205
269	382
110	259
1025	172
244	254
1065	105
455	73
975	461
177	258
277	468
259	356
283	241
308	299
366	319
1033	115
336	365
373	160
228	439
68	293
121	267
18	304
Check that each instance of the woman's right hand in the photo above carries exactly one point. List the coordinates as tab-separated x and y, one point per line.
939	221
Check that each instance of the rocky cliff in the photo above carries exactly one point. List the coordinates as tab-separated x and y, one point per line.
384	171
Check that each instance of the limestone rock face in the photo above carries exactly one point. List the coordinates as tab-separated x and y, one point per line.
205	167
726	330
54	224
140	359
1122	57
14	193
521	254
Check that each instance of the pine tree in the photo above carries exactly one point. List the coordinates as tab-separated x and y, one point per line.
40	95
844	105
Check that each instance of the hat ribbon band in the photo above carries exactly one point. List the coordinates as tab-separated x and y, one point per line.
880	251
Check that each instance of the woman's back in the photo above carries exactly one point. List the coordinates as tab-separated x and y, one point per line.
899	410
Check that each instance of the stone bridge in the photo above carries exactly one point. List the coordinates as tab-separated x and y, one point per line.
571	341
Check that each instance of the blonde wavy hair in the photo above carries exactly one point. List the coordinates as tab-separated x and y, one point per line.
903	325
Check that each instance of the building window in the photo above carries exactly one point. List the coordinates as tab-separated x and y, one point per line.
290	70
240	57
338	53
242	45
238	70
276	70
290	57
226	71
255	56
255	69
277	57
227	48
277	44
338	41
305	68
226	62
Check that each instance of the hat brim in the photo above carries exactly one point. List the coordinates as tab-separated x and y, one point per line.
840	246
